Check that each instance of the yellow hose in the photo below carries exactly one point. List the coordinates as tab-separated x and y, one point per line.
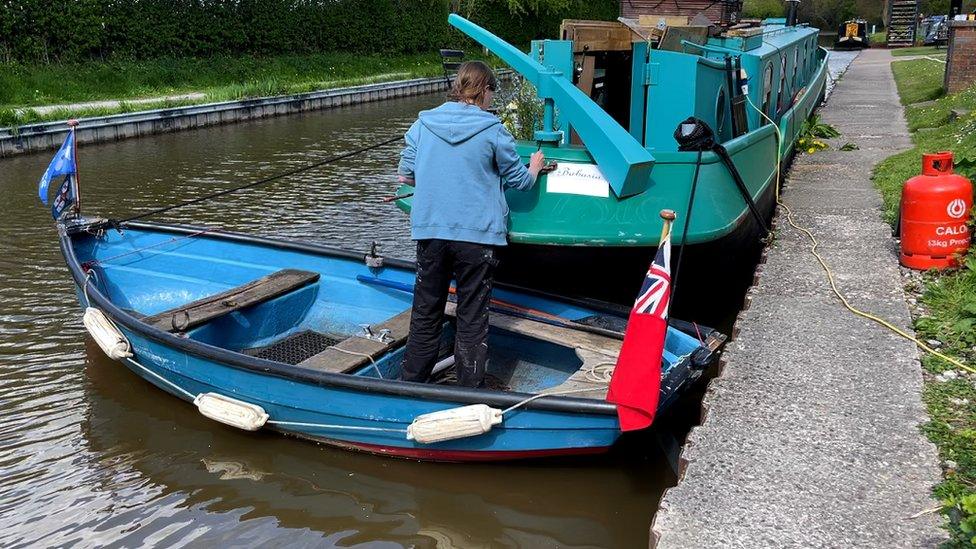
826	268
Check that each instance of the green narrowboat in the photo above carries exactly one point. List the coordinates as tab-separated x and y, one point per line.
591	227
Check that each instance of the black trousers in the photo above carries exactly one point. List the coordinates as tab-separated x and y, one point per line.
472	266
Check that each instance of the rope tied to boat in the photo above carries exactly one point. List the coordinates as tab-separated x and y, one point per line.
262	181
363	355
87	265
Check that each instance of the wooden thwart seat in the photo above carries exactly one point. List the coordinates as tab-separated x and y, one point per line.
336	361
266	288
567	337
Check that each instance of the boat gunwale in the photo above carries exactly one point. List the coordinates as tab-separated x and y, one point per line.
225	357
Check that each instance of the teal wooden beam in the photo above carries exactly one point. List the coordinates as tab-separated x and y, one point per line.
623	160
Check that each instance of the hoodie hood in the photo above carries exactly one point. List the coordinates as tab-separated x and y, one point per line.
456	122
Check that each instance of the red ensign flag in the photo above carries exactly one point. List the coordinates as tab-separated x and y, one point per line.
636	382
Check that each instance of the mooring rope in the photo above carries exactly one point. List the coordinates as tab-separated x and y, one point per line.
91	263
362	355
265	180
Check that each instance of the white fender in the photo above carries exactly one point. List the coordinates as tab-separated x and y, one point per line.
466	421
104	332
231	411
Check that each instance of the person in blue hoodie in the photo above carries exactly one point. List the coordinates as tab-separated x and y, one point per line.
460	158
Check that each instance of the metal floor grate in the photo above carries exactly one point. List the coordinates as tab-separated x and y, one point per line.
295	348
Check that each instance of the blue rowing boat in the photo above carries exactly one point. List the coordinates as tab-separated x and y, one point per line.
308	340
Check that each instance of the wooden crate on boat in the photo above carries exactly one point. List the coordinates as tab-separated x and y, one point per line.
597	35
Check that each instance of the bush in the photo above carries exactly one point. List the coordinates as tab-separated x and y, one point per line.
763	9
36	31
46	31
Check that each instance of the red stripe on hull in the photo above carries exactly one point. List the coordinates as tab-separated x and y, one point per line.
424	454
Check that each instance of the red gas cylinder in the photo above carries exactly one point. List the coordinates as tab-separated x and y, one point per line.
934	214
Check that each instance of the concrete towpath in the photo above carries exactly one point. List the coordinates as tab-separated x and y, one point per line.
811	433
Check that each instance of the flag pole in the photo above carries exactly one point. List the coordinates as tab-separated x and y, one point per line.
668	216
74	155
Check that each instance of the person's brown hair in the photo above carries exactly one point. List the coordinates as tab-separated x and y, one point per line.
471	81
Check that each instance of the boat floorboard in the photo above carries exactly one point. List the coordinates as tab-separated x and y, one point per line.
355	352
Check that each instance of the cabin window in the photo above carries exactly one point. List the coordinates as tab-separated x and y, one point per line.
802	62
783	92
767	89
721	109
796	68
803	70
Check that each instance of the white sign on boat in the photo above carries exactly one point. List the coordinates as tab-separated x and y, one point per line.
574	178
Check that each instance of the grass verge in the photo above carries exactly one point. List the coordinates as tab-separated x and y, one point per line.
920	50
34	85
918	80
21	116
218	78
946	311
931	126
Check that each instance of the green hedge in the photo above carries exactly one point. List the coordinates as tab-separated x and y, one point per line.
44	31
69	30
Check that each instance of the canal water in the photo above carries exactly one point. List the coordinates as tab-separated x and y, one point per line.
91	455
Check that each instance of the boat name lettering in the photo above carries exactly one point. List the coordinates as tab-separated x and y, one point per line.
581	179
576	172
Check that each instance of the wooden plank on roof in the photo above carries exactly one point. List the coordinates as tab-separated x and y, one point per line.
673	37
662	21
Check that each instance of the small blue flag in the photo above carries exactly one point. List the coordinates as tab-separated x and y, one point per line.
63	163
64	199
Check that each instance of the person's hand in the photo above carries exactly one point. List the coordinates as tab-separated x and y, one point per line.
536	163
